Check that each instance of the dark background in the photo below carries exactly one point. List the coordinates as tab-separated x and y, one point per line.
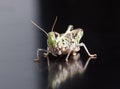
19	40
100	20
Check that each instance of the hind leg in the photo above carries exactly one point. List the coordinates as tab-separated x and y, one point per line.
89	54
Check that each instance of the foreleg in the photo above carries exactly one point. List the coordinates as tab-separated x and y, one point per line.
38	50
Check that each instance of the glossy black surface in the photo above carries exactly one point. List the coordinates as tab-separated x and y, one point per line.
19	40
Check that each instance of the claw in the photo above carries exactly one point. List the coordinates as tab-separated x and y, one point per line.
37	59
93	55
45	55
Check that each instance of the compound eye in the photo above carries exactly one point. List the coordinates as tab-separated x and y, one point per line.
56	35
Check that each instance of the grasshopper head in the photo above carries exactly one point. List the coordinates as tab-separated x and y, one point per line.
52	38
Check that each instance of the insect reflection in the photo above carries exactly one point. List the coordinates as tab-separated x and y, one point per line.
59	72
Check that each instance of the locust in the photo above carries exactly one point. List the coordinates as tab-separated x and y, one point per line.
65	43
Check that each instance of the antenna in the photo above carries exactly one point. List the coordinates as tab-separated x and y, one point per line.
54	24
39	27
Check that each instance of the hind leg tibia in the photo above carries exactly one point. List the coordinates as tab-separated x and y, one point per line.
89	54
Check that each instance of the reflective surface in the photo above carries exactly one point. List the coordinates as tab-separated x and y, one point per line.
19	40
59	72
